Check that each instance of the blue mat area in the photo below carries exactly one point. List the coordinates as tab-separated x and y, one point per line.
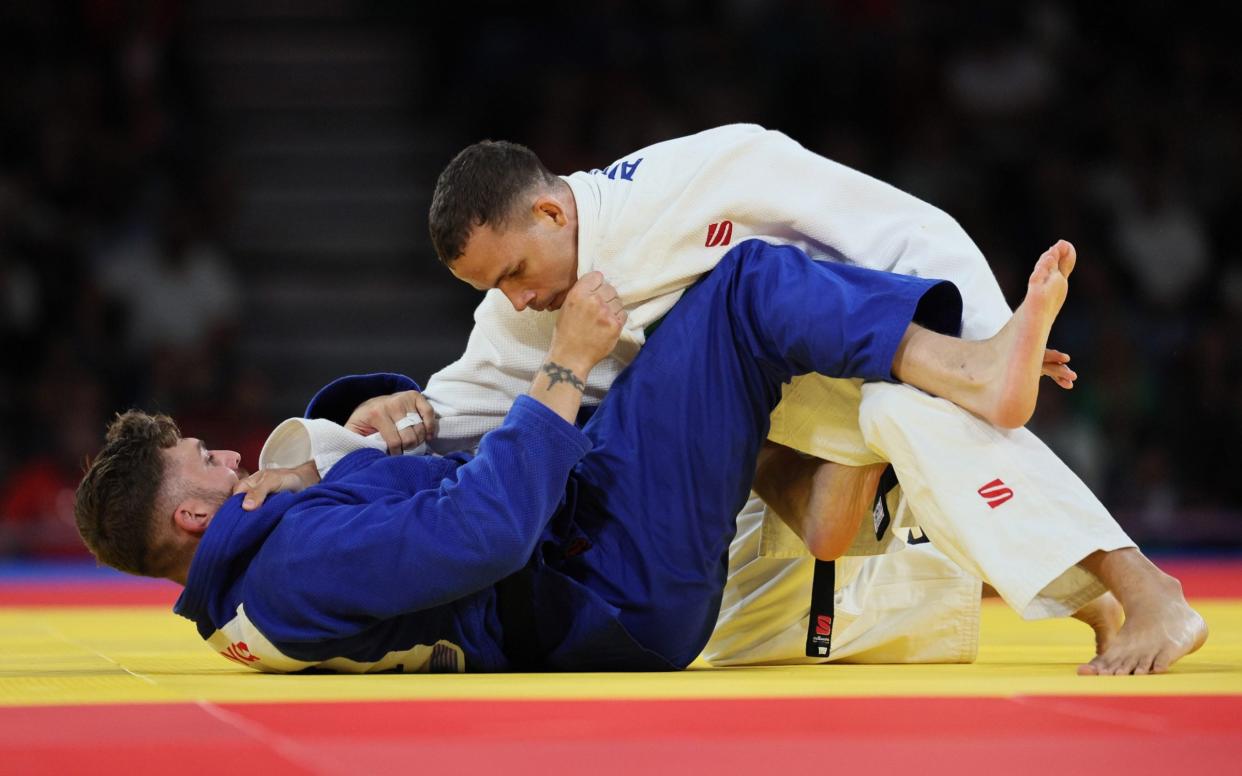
67	570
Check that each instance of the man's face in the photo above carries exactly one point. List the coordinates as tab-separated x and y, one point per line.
533	260
212	473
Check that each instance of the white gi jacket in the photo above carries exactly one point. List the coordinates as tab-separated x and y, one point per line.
658	219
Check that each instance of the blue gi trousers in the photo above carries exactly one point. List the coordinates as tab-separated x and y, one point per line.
676	440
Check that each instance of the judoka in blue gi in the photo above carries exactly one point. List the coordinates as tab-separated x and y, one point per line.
554	547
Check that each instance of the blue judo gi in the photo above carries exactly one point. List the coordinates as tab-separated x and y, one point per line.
553	547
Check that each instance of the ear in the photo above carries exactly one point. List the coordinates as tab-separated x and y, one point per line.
193	515
549	207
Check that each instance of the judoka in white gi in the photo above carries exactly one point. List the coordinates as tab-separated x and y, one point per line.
990	495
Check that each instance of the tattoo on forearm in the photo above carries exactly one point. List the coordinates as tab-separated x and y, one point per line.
559	374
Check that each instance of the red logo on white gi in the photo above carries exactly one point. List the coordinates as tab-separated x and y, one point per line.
719	234
240	653
995	493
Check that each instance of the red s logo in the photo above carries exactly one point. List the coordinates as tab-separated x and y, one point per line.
719	234
995	493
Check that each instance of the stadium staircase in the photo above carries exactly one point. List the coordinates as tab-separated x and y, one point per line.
313	107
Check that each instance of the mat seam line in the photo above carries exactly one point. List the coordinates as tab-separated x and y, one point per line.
97	653
283	746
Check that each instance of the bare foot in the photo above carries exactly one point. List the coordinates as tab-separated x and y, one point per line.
1160	628
1008	395
998	378
1104	615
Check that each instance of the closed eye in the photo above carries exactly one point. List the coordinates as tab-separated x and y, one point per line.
510	274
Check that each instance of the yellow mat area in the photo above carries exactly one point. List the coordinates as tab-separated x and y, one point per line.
147	655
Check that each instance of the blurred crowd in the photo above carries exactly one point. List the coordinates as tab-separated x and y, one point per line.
1028	122
115	289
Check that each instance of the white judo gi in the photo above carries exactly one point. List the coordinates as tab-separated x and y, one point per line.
999	503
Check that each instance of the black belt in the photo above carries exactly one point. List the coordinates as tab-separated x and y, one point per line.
823	588
824	582
515	605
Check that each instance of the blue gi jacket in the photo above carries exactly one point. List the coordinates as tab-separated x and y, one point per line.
390	563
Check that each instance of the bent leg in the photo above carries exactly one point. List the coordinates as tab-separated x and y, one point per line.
676	440
1000	503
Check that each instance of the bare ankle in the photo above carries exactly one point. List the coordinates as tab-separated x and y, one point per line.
1129	575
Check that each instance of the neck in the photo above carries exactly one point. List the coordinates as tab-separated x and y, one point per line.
571	216
179	563
179	576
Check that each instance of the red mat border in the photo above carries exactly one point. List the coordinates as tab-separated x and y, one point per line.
1021	735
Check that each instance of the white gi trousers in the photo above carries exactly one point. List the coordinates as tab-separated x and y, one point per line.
920	604
913	606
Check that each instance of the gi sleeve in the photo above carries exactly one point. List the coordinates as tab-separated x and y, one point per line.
378	540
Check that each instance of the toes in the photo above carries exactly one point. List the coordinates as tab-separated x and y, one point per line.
1129	665
1113	664
1165	658
1098	666
1147	664
1162	662
1067	256
1043	268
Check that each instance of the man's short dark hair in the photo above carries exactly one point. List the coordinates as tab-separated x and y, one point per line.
116	499
482	185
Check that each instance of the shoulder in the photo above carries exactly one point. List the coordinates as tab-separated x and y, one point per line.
705	141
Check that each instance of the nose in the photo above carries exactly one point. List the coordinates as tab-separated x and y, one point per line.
229	458
520	299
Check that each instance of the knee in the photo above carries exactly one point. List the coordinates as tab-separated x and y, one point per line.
841	498
827	542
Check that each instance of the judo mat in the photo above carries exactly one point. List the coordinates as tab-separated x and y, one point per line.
97	676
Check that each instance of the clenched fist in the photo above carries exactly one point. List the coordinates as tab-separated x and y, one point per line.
590	323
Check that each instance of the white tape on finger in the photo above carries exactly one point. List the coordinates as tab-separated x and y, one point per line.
410	419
